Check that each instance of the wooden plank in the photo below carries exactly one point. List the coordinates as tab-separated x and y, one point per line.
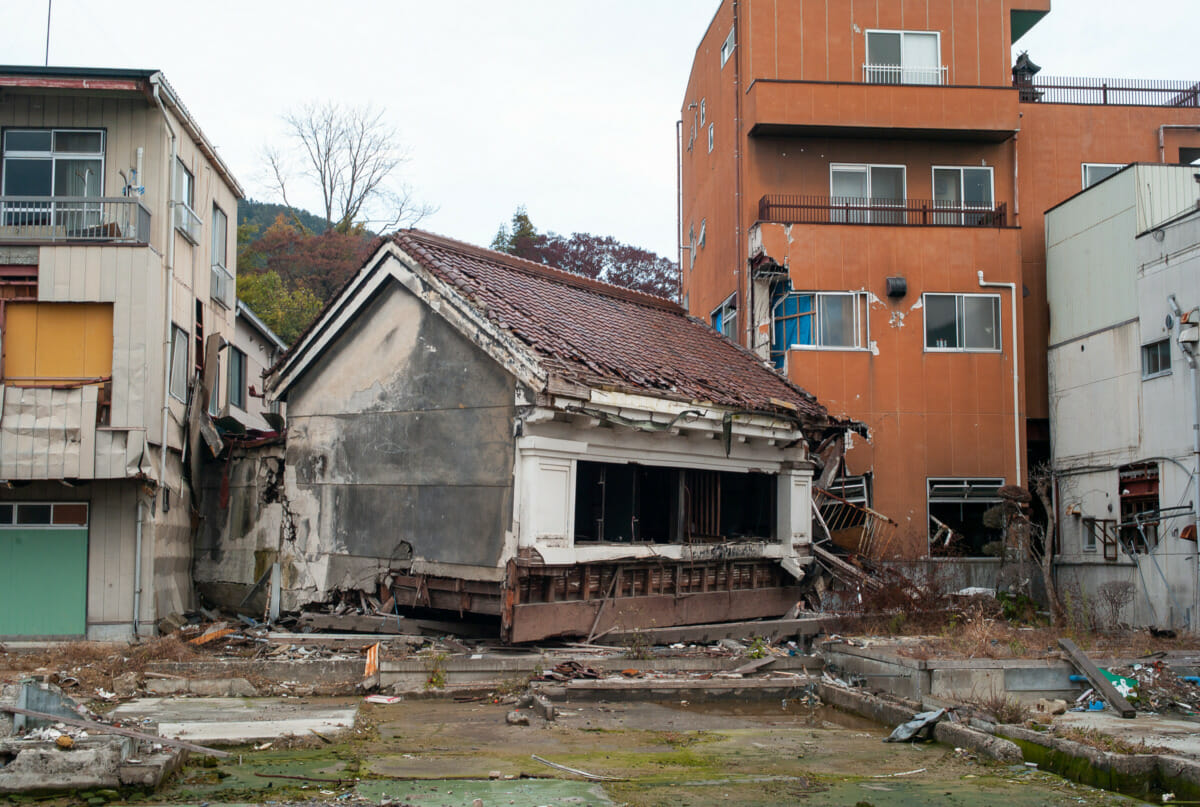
1097	679
754	665
104	728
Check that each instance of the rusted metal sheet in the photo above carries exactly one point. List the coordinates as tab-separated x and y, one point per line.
536	621
129	85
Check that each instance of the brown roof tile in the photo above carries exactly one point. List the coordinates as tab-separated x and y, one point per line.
604	336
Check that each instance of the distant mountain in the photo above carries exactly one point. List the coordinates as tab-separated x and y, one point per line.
264	214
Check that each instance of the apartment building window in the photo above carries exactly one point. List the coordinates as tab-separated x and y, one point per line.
724	318
703	238
59	164
960	523
214	395
222	285
857	190
237	378
964	193
831	320
186	220
691	246
904	57
179	363
1094	172
702	113
710	138
1156	359
727	47
962	322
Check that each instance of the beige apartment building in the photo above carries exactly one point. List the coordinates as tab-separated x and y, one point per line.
117	301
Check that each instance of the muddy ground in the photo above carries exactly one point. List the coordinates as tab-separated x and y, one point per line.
438	752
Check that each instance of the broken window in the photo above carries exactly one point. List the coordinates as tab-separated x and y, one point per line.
965	517
179	363
1139	506
237	378
626	503
810	319
727	47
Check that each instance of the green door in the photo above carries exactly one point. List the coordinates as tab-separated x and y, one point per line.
43	581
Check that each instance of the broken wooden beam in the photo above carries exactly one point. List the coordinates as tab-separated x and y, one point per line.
1097	679
105	728
754	665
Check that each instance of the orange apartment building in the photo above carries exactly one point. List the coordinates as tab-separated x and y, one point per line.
861	202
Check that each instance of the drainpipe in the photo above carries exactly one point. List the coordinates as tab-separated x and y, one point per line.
1189	352
745	302
1162	146
679	205
137	571
1012	289
1016	178
166	407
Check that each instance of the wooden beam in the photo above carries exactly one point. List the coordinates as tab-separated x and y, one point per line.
1097	679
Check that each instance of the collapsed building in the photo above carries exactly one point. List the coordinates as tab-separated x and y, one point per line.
475	433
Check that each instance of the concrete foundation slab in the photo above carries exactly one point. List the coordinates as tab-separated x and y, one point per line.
239	720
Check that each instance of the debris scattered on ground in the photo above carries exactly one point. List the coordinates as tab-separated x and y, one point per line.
922	722
1159	689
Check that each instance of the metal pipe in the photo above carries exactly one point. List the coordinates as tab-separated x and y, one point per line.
170	288
679	204
137	570
1012	288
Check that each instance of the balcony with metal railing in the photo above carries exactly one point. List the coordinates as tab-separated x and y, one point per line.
903	74
803	209
71	219
1107	91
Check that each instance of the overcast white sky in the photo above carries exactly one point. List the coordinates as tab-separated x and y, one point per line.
564	106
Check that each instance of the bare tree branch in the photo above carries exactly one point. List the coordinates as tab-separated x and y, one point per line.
352	156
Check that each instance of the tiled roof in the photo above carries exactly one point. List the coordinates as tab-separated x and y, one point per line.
604	336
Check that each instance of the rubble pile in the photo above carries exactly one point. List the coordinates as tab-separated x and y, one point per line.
1161	690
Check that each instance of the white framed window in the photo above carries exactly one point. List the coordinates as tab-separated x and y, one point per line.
1156	359
703	237
710	138
179	363
962	322
186	220
702	113
237	378
58	164
904	57
214	395
221	288
43	514
829	320
692	246
965	193
1094	172
855	190
724	317
957	510
727	47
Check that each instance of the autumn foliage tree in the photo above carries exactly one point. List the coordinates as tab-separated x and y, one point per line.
286	274
595	256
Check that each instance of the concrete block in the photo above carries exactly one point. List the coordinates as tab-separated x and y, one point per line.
89	764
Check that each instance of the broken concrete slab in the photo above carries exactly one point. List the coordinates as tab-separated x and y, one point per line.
240	720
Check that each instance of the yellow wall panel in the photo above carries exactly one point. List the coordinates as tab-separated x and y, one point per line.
58	340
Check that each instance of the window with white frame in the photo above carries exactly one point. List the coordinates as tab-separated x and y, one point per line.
710	138
1156	359
964	193
702	113
960	523
221	289
702	239
186	220
833	320
179	363
61	166
214	395
904	57
962	322
237	378
692	246
724	317
727	47
1094	172
862	193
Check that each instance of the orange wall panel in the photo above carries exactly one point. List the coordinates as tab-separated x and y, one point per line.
58	340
